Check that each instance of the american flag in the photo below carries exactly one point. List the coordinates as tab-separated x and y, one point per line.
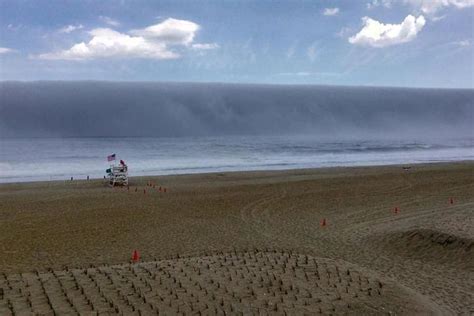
111	157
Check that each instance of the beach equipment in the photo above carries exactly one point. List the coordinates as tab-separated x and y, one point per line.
117	175
135	256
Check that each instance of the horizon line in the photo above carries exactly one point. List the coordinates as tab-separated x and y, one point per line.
237	83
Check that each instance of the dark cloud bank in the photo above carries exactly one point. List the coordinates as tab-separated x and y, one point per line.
186	109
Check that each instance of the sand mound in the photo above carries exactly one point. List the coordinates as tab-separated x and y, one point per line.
248	282
428	244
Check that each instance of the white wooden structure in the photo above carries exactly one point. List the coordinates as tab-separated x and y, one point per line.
118	175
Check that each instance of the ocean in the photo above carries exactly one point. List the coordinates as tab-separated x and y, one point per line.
37	159
49	130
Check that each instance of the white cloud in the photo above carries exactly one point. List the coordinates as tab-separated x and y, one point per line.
109	21
377	34
379	3
6	50
463	43
70	28
438	18
109	43
205	46
170	31
427	7
432	6
158	41
331	11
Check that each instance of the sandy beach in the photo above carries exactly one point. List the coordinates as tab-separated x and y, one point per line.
361	240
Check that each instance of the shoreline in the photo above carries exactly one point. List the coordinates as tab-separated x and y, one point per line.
153	176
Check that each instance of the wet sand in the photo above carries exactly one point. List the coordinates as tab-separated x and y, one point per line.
244	242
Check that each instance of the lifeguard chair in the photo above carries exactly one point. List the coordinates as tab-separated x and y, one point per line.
118	175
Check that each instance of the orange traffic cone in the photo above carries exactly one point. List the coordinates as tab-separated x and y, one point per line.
451	201
135	256
323	223
396	210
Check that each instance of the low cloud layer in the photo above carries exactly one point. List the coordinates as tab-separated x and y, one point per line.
179	109
378	34
159	41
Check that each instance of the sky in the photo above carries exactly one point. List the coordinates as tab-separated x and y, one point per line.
405	43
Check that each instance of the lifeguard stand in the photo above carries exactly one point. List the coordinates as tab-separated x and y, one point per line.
118	175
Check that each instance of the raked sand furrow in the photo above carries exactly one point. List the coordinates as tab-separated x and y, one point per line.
230	283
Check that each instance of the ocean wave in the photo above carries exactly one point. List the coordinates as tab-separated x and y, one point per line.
31	160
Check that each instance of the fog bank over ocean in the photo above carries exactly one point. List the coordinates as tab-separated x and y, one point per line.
88	109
